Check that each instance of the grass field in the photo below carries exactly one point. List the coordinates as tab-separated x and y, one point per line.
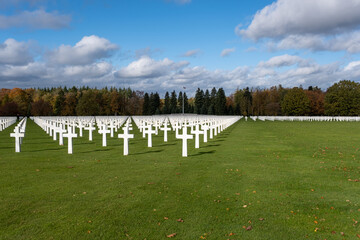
256	180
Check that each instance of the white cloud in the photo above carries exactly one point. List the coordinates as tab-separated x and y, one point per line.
94	70
192	53
38	19
296	17
86	51
25	73
146	67
227	51
352	65
349	42
15	53
322	25
162	75
281	61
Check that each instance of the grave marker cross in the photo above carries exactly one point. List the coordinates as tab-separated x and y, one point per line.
184	136
126	136
17	135
70	135
104	131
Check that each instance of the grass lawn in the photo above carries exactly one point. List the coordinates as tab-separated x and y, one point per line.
256	180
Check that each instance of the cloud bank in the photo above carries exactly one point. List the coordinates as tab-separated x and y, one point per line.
87	62
322	25
38	19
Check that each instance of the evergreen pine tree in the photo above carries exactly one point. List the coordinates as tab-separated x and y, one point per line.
180	102
156	103
248	101
146	105
206	105
230	110
166	109
59	103
173	102
220	107
199	101
186	104
211	109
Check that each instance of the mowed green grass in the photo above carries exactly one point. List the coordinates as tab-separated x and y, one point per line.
287	180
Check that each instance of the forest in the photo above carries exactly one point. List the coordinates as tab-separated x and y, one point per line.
341	99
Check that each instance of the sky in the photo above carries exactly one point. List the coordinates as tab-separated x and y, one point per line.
166	45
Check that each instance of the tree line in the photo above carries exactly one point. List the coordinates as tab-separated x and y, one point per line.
341	99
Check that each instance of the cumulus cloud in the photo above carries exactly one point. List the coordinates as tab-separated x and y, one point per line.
162	75
38	19
15	53
352	65
86	51
281	61
146	67
289	17
349	42
265	74
25	73
227	52
192	53
330	25
94	70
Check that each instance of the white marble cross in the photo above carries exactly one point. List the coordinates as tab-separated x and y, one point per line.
104	131
157	124
211	128
90	128
61	134
149	132
142	127
184	136
51	128
56	130
81	126
197	133
176	126
47	126
126	137
165	128
112	128
17	135
70	135
205	127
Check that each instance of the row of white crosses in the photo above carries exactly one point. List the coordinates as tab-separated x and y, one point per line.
307	118
213	124
6	122
200	125
67	126
109	125
148	125
19	134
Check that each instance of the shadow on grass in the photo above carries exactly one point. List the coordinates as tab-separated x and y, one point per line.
6	147
202	153
165	144
212	145
43	150
93	143
141	153
97	150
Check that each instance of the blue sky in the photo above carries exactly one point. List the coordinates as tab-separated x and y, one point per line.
163	45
